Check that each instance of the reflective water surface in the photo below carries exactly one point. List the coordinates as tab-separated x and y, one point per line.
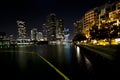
26	62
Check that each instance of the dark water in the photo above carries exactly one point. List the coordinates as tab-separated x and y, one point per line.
72	61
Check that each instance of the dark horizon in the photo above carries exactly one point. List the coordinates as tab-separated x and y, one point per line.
34	12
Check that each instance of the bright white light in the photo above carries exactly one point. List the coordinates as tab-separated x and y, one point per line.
85	41
78	54
94	41
117	40
78	50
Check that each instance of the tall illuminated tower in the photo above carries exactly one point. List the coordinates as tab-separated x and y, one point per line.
34	34
53	28
21	30
66	34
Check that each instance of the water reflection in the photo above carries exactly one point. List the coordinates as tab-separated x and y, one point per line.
65	57
59	49
88	63
83	59
64	53
78	54
21	58
68	52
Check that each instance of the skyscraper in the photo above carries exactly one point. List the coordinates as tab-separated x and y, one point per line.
53	28
21	30
60	29
39	36
34	34
66	34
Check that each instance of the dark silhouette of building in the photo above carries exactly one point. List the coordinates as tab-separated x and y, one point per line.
2	35
53	28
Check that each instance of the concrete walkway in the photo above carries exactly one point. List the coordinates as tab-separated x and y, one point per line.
106	55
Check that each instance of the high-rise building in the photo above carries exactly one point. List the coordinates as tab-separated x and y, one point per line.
78	25
59	29
45	32
113	14
39	36
106	13
90	17
51	23
34	34
21	30
66	34
53	28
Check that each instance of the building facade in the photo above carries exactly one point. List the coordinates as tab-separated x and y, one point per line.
39	36
91	17
78	26
109	12
53	28
59	29
66	34
114	15
34	34
21	30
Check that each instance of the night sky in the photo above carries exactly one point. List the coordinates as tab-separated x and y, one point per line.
34	12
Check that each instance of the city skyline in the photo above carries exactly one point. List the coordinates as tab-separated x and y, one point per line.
34	13
60	39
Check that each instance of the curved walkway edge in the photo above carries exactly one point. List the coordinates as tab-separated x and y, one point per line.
109	57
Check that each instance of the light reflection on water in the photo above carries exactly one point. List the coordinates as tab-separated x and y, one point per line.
68	52
82	58
60	54
21	58
88	63
78	54
64	53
